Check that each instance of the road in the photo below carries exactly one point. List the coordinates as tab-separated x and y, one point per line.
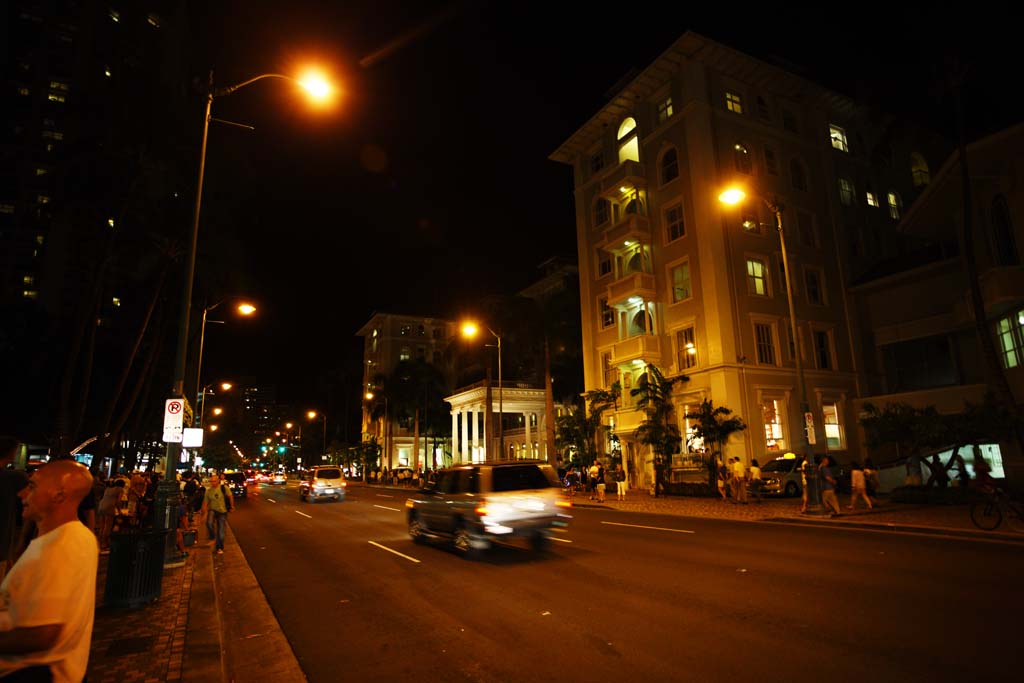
648	597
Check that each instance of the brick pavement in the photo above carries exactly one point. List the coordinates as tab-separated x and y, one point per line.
143	645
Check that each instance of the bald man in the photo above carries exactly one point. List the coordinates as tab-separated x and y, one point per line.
47	600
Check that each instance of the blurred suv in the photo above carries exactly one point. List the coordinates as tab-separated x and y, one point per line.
474	505
782	476
236	480
322	482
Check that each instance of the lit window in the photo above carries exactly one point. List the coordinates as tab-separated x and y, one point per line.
895	206
681	282
669	166
872	198
764	341
846	192
823	350
405	353
115	16
153	20
838	137
1009	341
56	97
742	157
110	222
59	85
686	348
798	175
604	263
28	280
919	170
674	222
629	147
664	109
607	314
601	212
812	280
42	199
771	162
106	71
6	208
833	429
771	417
734	103
757	277
116	301
53	135
30	294
41	171
40	239
23	91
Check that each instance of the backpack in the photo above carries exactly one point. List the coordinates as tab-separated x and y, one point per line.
228	504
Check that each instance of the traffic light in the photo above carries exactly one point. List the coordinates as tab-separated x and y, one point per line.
281	449
263	449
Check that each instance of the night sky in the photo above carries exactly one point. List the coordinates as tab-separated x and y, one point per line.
428	186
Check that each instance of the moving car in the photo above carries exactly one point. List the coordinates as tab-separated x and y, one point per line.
278	478
475	505
236	480
322	482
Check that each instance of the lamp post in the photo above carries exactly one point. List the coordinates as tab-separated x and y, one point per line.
243	308
369	397
735	196
312	415
470	330
318	88
201	398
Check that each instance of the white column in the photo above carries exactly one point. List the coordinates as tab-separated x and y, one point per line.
476	428
485	430
455	435
529	439
465	437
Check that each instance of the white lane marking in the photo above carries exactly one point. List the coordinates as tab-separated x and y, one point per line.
383	547
303	514
656	528
381	495
270	500
386	508
560	540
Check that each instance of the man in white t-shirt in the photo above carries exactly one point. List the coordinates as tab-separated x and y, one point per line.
47	600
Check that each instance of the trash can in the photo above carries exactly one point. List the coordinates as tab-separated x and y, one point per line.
135	568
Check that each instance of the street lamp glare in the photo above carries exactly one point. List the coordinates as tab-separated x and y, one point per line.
470	330
214	428
316	85
733	195
218	411
369	395
287	425
226	386
246	309
311	415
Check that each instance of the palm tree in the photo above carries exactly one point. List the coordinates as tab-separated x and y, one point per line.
580	430
659	429
714	426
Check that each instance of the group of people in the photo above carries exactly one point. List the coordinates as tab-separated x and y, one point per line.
53	525
736	477
594	480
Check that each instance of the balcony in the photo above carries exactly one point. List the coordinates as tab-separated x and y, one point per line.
634	284
629	174
632	228
1002	288
644	347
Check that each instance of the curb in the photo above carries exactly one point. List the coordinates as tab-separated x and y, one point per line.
253	646
1002	537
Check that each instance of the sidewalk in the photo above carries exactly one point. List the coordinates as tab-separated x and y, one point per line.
212	623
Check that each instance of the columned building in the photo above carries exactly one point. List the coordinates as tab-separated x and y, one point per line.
519	407
670	276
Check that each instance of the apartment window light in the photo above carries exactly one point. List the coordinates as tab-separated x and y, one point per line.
629	146
30	294
56	97
681	288
838	137
895	206
846	192
686	349
872	198
733	102
757	277
665	110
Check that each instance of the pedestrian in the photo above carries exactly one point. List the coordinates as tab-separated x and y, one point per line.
50	592
190	488
913	469
939	476
601	486
755	479
722	474
739	481
828	486
963	477
858	486
107	512
216	503
592	479
620	482
803	484
870	477
11	482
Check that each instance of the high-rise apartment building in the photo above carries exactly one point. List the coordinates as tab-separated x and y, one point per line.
671	276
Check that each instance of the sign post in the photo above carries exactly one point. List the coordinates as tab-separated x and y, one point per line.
174	420
809	424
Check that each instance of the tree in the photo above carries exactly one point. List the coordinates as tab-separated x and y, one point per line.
659	430
714	426
221	457
369	454
580	430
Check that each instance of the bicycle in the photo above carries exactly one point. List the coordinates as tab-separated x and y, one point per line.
988	513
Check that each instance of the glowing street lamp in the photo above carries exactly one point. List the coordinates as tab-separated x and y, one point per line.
218	411
733	196
245	308
470	330
312	415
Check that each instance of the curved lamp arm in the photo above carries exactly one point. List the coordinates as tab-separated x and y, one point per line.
227	90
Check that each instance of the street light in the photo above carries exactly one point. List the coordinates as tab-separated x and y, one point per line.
469	331
316	86
245	308
387	425
201	398
312	415
733	196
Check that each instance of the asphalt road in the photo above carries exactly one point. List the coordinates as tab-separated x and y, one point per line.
630	597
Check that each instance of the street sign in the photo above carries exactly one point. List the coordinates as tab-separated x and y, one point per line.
192	437
809	424
174	417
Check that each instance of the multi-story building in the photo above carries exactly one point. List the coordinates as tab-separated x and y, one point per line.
388	339
670	276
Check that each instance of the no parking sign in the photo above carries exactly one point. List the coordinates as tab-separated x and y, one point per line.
174	419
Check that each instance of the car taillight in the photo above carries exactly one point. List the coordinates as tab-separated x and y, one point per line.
563	503
344	484
481	509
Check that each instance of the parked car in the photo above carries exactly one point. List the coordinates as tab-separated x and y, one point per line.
474	505
236	480
781	476
279	478
322	482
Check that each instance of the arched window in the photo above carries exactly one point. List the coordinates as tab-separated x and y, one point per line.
641	323
798	174
634	205
637	263
742	157
602	212
629	147
669	165
1002	233
919	170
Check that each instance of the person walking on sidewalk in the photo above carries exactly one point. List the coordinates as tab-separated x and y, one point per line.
858	485
620	482
216	504
49	596
755	479
107	512
722	475
828	486
601	486
739	481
